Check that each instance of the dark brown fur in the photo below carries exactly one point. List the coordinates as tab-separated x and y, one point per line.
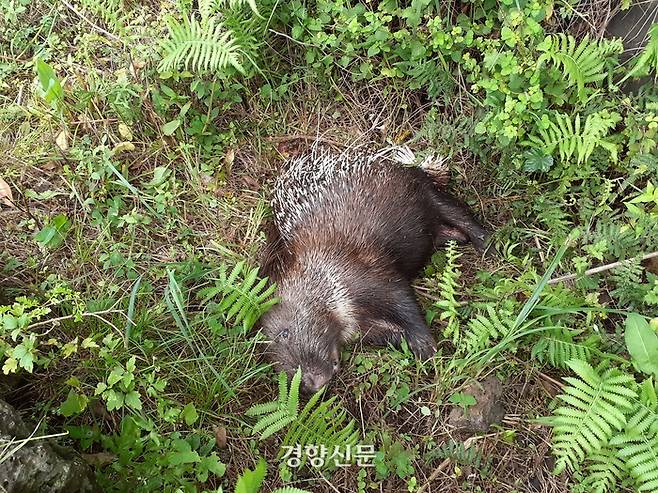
347	268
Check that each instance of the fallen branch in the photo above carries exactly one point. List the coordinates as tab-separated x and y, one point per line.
602	268
98	28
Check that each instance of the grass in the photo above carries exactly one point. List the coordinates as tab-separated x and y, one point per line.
156	209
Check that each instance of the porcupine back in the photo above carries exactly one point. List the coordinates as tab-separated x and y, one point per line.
350	201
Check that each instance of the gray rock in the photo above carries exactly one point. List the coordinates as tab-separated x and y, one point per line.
487	410
39	466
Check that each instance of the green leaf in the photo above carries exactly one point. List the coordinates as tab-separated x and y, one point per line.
463	400
133	400
170	127
114	400
52	235
209	464
183	454
536	160
250	481
10	366
642	344
160	173
51	89
189	414
74	404
115	375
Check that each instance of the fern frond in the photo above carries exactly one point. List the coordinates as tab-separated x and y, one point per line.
558	346
199	46
242	299
583	63
628	282
640	454
482	330
571	139
647	61
604	470
459	454
448	286
280	413
322	425
111	12
638	445
595	405
208	8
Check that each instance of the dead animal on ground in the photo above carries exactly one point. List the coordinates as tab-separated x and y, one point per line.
350	233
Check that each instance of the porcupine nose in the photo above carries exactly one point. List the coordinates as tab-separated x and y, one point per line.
315	381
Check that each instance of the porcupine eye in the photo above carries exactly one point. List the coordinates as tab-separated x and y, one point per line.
284	334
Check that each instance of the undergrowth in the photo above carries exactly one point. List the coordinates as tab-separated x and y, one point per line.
139	141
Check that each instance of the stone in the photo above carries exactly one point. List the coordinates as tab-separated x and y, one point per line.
38	465
487	410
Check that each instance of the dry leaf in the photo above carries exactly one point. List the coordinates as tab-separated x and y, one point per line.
229	157
220	436
62	140
125	132
6	196
123	147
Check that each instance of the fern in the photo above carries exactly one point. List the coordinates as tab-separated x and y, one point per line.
279	413
647	61
459	454
583	63
482	330
595	405
638	445
558	346
199	46
571	139
629	288
322	424
620	238
448	286
111	12
207	8
604	470
244	298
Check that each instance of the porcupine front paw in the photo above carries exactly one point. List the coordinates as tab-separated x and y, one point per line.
422	345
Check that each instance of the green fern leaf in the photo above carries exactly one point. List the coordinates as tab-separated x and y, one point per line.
638	445
321	425
583	63
571	140
483	330
199	46
604	470
595	406
558	346
242	299
647	61
448	287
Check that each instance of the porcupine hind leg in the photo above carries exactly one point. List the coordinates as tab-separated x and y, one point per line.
400	317
452	218
456	221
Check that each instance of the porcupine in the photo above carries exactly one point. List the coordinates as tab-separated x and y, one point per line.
350	233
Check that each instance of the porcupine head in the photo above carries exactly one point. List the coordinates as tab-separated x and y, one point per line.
305	329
